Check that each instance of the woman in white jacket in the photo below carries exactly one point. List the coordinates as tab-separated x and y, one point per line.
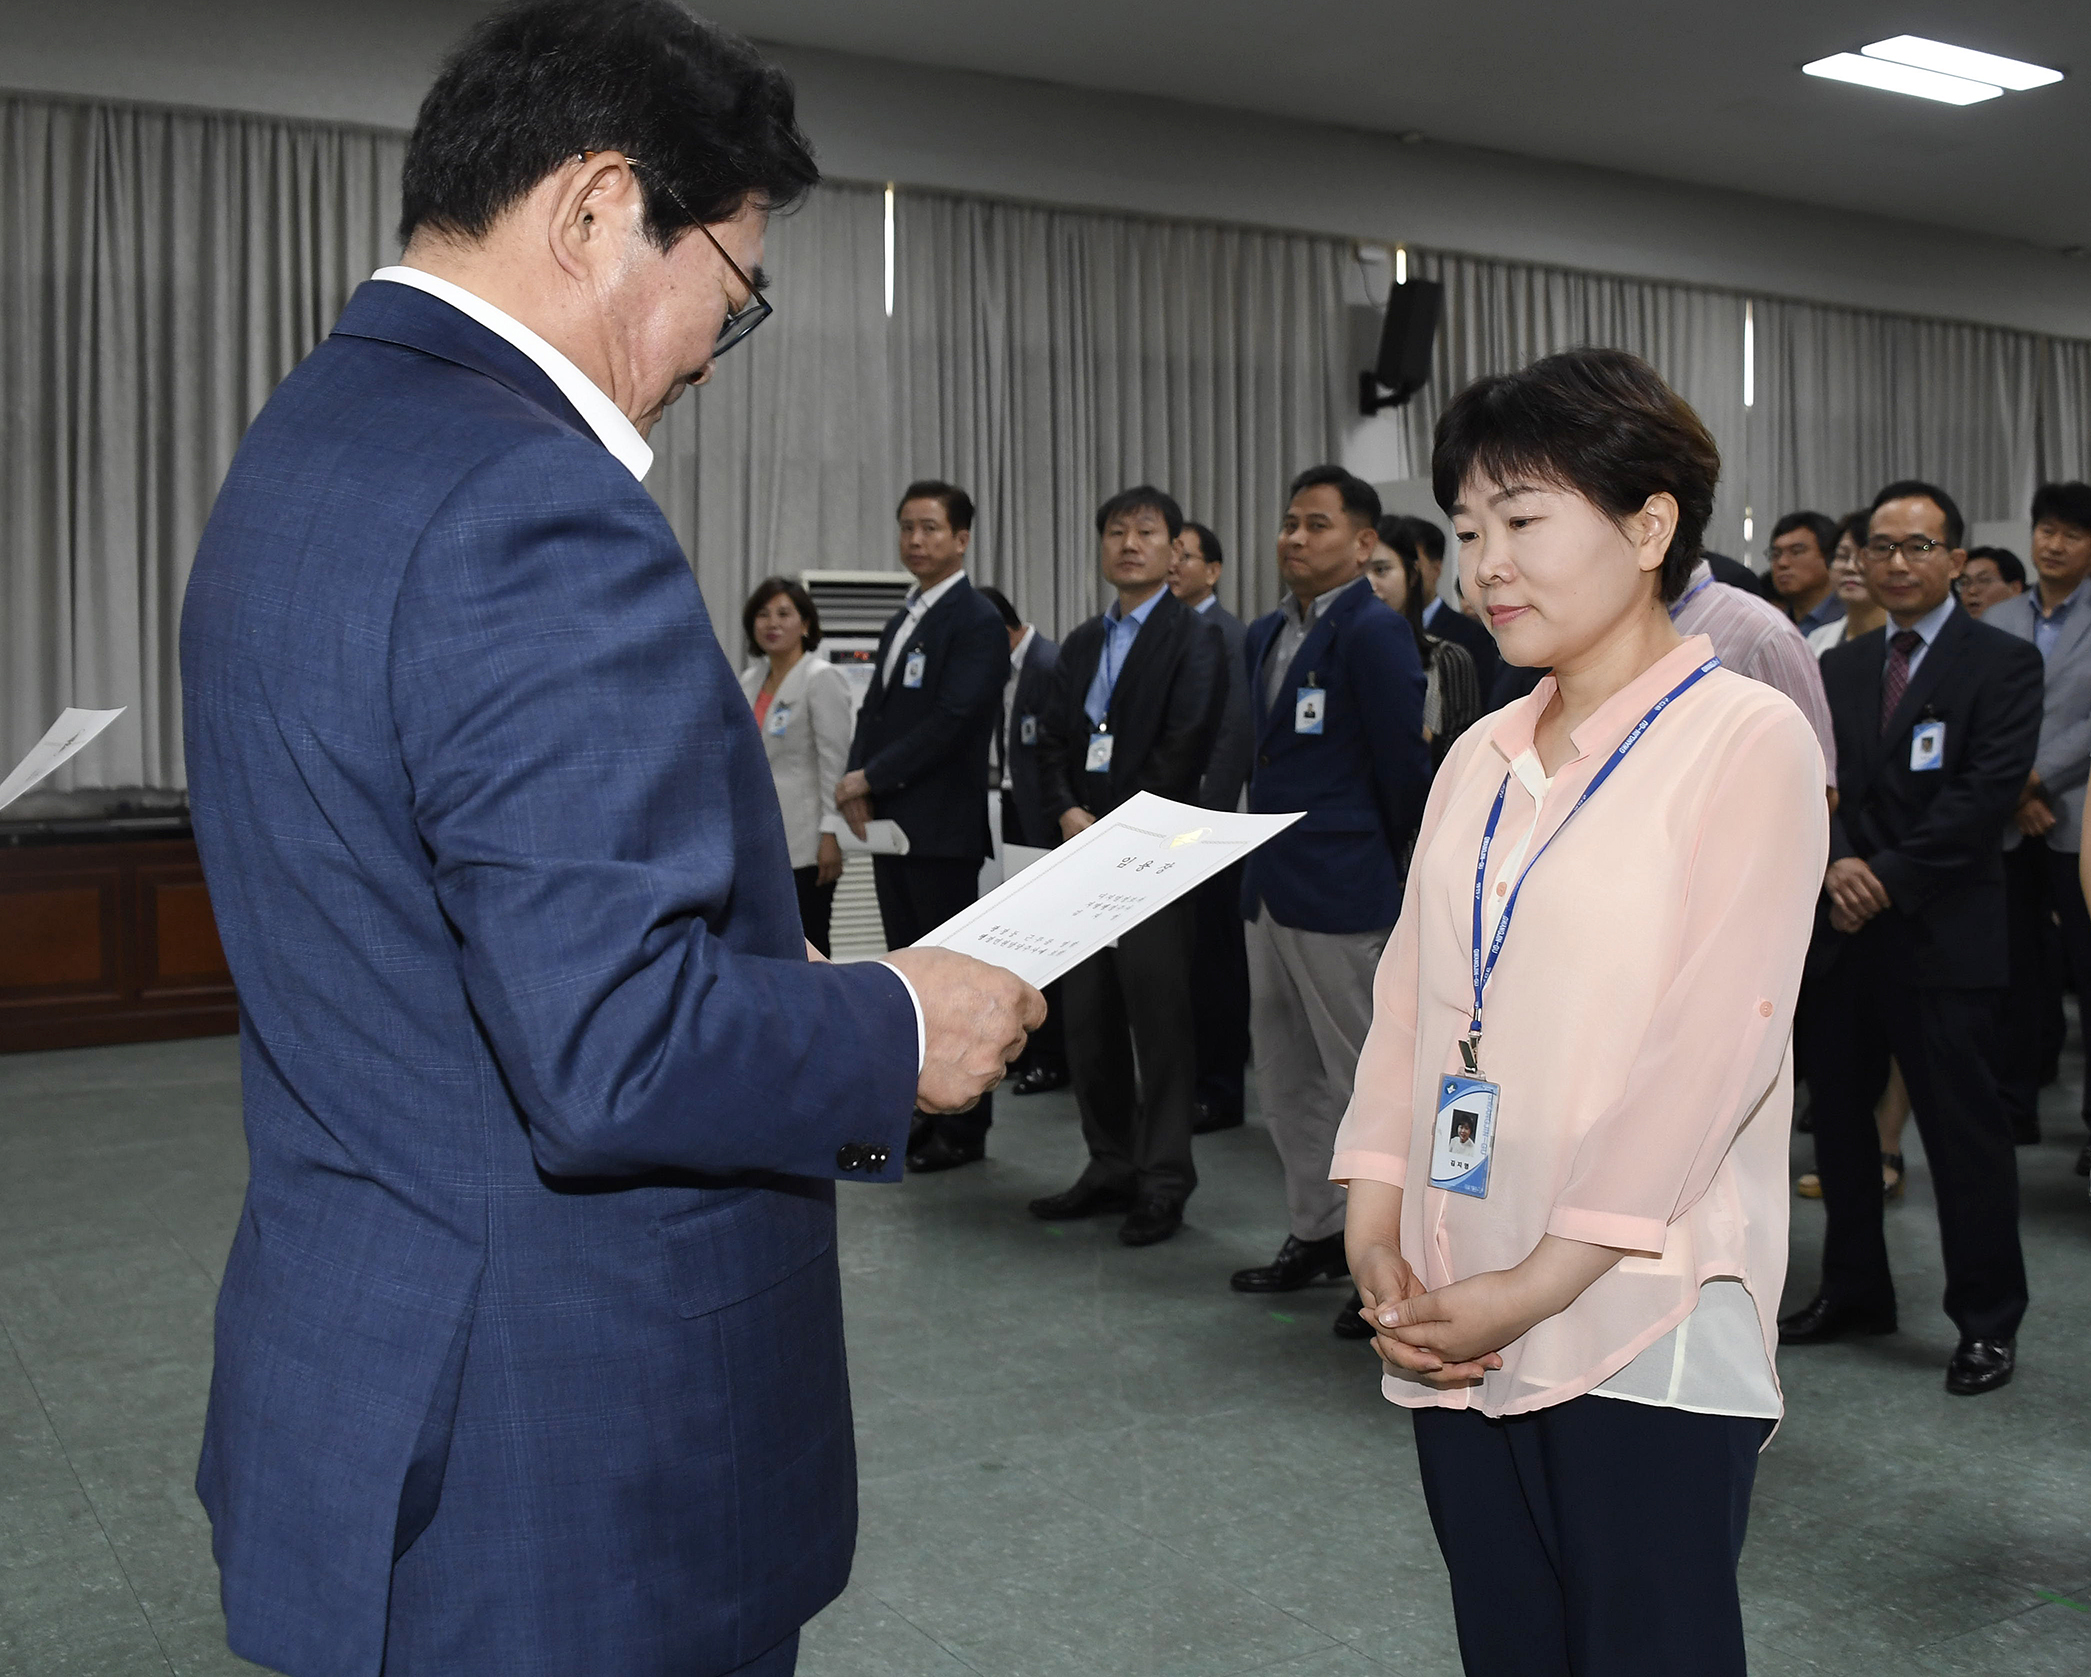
802	706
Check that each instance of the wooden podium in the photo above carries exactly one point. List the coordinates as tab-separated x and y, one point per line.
106	936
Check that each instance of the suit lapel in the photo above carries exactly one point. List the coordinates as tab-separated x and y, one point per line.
1925	681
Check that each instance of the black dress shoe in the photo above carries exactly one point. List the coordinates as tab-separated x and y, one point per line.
1820	1322
1211	1118
1039	1080
1084	1199
1153	1220
1299	1263
936	1152
1350	1321
1981	1365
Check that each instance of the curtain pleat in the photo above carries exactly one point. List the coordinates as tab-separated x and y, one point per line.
160	272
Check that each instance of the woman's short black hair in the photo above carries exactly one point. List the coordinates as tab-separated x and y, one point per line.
1209	547
1857	525
534	84
1142	497
1598	422
766	591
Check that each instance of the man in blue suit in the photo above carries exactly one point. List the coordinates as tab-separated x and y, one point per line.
529	1350
1337	687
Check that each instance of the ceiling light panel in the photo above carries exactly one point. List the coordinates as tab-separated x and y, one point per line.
1901	78
1964	62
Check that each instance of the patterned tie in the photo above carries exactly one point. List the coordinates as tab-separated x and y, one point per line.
1900	646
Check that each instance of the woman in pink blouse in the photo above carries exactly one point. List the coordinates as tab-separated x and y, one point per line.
1567	1214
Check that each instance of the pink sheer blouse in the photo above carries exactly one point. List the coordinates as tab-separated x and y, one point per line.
1639	1020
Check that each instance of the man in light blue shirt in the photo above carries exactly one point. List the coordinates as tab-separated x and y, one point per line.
2046	835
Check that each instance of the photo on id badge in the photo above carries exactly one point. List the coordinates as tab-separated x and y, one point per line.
1464	1137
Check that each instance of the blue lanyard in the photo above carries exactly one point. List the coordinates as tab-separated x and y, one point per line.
1484	968
1688	599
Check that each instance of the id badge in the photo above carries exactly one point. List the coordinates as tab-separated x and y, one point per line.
1307	710
1927	746
1027	730
1099	758
1464	1136
911	671
780	719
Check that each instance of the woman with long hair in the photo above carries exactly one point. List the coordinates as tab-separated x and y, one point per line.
1452	696
1567	1149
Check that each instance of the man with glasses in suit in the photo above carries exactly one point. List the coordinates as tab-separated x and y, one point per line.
1937	720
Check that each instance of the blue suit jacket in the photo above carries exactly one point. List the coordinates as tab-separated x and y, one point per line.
535	1283
1362	780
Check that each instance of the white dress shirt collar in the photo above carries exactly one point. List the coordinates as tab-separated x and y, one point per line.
612	429
920	600
1023	645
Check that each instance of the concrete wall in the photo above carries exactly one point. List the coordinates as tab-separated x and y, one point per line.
878	120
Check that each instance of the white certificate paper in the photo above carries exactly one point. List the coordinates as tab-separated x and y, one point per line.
73	729
1104	881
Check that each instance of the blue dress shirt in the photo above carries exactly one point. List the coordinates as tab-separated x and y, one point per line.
1121	628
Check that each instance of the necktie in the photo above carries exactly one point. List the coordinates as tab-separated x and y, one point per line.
1900	646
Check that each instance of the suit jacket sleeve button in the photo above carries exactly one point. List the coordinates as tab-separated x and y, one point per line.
849	1157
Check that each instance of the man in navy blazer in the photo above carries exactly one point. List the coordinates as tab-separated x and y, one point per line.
1337	688
1938	721
529	1355
920	758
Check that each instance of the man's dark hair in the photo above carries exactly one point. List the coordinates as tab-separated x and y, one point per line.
958	505
701	116
1909	488
2065	503
1598	422
1208	543
1011	618
1142	497
1822	527
766	591
1359	498
2010	568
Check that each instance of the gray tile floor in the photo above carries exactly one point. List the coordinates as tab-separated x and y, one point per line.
1077	1459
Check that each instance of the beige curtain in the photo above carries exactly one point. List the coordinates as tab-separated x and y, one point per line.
159	273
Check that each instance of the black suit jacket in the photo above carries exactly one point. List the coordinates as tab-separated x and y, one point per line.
1234	740
1934	836
1026	816
924	749
1163	713
1452	624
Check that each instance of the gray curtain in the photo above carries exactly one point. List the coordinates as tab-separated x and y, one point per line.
1848	401
159	273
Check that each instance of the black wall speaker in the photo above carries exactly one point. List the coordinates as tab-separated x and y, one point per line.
1405	340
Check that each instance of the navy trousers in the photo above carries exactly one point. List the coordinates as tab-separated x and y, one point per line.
1597	1538
917	894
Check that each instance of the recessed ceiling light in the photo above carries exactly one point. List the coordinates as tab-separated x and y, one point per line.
1901	78
1915	50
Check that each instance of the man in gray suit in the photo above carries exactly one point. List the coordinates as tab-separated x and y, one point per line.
2040	865
1222	962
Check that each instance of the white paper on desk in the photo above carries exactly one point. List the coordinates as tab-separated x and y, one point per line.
1104	881
73	729
881	838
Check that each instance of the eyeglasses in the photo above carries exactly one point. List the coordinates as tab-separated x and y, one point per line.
1911	548
738	322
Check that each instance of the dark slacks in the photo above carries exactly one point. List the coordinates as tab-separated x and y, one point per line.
780	1661
1132	1056
1862	1012
917	894
1221	963
1597	1538
2041	888
816	906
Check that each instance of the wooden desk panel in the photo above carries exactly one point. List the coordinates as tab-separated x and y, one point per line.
108	942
